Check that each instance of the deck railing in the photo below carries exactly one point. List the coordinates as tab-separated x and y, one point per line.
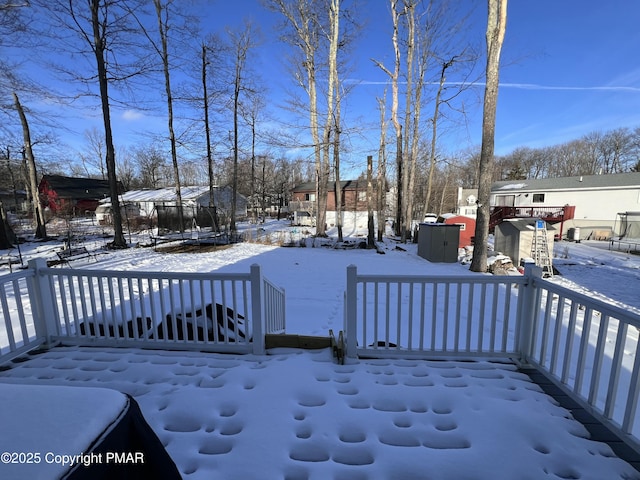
17	328
400	315
588	347
228	312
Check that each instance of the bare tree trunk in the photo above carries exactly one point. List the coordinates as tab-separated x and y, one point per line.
163	27
241	46
253	173
371	239
394	114
382	170
6	234
496	26
302	18
38	215
99	46
409	12
207	128
333	105
434	136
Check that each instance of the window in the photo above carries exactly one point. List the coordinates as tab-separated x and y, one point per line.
538	198
505	200
310	197
362	196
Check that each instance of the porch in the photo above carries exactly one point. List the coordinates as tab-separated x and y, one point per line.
580	346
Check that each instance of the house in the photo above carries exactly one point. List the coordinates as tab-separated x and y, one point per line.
156	203
14	200
466	202
354	204
72	195
467	227
590	203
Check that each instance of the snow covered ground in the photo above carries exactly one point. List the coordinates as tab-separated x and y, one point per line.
298	415
591	267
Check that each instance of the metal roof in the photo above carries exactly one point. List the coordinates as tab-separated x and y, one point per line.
164	194
618	180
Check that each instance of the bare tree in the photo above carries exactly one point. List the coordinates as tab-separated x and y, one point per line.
382	169
241	43
301	17
496	26
162	10
32	175
92	158
152	167
99	30
394	77
100	23
207	127
332	121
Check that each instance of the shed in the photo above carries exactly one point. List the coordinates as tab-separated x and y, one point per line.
514	237
148	200
438	242
467	226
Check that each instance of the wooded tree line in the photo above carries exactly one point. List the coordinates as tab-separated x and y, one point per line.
112	51
614	151
152	59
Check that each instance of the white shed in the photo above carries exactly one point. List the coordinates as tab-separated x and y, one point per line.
147	200
515	238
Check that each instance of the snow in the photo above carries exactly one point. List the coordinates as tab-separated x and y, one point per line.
513	186
591	267
298	415
80	415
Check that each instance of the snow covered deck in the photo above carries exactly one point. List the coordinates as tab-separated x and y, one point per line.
297	414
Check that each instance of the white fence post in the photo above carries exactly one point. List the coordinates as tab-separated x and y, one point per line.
351	310
528	317
44	316
257	310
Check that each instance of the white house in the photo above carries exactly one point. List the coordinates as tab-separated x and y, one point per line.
597	199
466	202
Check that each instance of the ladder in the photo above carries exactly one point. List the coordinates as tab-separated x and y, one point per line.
540	249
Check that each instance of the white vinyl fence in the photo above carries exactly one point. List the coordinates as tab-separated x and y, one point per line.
588	347
228	312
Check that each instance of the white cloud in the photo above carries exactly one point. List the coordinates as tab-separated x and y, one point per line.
132	115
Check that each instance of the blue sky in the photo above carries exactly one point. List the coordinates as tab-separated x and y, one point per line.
569	67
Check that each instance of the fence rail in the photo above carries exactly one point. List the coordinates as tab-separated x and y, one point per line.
274	308
399	315
17	328
228	312
588	347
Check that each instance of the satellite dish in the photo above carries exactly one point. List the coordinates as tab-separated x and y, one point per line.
471	199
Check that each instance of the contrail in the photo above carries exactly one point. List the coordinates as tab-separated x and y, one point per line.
522	86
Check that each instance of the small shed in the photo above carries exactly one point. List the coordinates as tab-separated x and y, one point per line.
514	237
438	242
467	226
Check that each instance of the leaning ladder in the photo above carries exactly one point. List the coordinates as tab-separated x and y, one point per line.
540	249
